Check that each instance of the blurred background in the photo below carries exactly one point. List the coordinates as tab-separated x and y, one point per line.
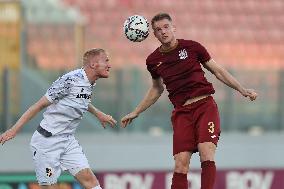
41	40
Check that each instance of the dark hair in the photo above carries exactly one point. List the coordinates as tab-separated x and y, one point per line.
91	53
160	16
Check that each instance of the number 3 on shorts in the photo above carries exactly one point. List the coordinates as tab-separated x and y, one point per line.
211	127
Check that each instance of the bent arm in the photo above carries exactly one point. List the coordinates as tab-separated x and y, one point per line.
102	117
151	96
223	75
31	112
93	110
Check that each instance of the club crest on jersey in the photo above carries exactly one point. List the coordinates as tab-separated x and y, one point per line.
182	54
48	171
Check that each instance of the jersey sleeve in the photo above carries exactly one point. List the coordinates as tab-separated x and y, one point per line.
59	89
150	68
152	72
202	54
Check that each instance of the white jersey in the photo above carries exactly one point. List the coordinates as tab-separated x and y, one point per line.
70	96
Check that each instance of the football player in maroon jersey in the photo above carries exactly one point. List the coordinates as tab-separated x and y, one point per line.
195	118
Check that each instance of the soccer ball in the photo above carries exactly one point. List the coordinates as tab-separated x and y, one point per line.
136	28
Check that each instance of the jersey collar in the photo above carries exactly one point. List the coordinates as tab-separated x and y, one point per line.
86	78
170	49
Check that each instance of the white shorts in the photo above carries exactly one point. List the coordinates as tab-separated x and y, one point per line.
56	153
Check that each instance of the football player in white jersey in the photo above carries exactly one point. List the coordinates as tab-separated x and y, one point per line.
53	145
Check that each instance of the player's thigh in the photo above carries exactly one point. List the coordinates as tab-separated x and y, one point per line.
208	122
46	154
183	157
87	178
182	161
47	167
74	159
207	151
183	132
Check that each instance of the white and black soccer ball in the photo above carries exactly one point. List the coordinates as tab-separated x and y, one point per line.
136	28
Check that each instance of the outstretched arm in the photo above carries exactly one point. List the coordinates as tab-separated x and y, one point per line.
28	115
151	97
102	117
223	75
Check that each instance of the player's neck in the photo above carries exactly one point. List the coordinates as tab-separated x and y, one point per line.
169	46
91	77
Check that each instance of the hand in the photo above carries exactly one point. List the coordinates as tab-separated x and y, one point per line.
128	119
104	118
8	135
249	93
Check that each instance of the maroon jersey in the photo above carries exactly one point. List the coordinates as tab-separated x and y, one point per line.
181	71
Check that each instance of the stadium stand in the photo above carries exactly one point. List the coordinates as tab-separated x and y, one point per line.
234	31
51	37
245	36
239	34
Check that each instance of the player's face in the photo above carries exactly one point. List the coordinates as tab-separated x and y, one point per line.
164	31
102	65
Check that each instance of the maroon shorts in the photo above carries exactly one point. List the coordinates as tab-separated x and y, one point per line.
195	123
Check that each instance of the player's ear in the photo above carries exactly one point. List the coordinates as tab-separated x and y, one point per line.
174	28
93	62
95	65
154	33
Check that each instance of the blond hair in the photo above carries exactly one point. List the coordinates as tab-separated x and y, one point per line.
91	53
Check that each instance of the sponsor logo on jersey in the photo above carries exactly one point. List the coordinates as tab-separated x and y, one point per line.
85	96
